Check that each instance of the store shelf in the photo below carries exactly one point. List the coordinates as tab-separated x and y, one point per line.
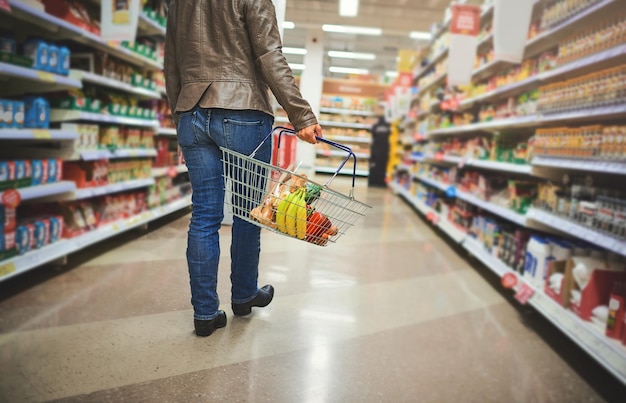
486	164
148	26
37	134
344	171
166	131
178	169
63	29
92	155
433	84
47	81
87	193
431	63
610	167
349	139
580	231
517	122
20	264
346	125
609	353
604	112
47	190
88	77
63	115
347	112
334	153
489	69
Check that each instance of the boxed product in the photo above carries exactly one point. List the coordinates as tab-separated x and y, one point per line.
40	171
23	173
7	245
7	218
616	312
23	237
7	175
38	51
37	113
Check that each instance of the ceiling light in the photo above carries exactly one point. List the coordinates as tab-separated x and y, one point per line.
288	25
296	66
347	70
391	73
348	8
351	55
294	51
344	29
426	36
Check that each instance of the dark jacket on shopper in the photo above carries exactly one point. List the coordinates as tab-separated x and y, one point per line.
225	54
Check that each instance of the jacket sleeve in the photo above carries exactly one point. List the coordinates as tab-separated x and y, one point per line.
172	75
262	26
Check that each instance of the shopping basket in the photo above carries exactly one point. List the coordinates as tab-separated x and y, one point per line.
287	203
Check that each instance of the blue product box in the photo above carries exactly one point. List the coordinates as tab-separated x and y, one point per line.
37	175
53	170
42	233
64	61
7	113
37	50
18	114
8	44
37	113
55	229
22	239
53	59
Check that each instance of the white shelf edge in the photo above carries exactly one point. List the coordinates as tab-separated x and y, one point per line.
349	139
333	153
166	131
346	125
46	190
156	172
154	26
115	84
344	171
432	63
582	232
63	247
612	167
525	169
86	193
37	134
66	115
347	112
40	76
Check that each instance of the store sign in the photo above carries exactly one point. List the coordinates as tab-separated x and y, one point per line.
118	20
464	28
511	20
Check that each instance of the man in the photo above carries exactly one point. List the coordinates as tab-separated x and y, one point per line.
221	59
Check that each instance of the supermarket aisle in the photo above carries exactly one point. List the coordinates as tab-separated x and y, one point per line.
390	313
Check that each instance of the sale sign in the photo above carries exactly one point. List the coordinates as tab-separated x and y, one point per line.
511	20
464	28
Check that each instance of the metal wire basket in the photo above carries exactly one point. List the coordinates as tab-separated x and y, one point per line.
284	202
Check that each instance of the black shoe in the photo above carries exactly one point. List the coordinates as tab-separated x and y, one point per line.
205	328
263	298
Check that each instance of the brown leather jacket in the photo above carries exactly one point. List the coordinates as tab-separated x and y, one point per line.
225	54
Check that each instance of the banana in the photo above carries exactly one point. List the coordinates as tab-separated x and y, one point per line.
301	217
290	219
281	211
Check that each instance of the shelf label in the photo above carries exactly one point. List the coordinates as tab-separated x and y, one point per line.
115	227
11	198
45	76
172	172
509	280
524	293
7	269
451	191
42	134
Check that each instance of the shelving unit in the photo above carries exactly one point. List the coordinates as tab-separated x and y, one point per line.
608	352
67	144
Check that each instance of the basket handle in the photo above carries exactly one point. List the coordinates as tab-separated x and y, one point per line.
323	140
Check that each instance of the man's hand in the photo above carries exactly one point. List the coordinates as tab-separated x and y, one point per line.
308	133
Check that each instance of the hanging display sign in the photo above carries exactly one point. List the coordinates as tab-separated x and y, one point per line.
118	20
511	20
464	28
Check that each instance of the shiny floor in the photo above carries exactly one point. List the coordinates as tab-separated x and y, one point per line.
391	313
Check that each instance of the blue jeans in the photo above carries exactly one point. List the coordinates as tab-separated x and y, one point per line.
201	133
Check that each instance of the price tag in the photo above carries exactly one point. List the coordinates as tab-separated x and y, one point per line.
326	152
439	156
524	293
45	76
11	198
172	172
115	227
509	280
42	134
7	269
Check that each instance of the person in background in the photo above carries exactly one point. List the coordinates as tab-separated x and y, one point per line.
221	59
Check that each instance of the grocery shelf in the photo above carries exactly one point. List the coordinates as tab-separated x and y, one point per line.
516	122
150	27
520	86
551	36
593	62
66	115
86	76
166	131
37	134
488	69
433	183
349	139
91	155
336	153
86	193
433	84
611	167
344	171
347	112
163	171
20	264
46	190
604	112
580	231
66	30
47	81
486	164
609	353
347	125
431	63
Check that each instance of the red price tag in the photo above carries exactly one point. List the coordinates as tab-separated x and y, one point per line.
418	137
439	156
11	198
509	280
172	172
524	293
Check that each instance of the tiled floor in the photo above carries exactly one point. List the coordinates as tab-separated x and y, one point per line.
391	313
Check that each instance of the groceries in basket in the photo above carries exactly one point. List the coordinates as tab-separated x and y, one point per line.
289	209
